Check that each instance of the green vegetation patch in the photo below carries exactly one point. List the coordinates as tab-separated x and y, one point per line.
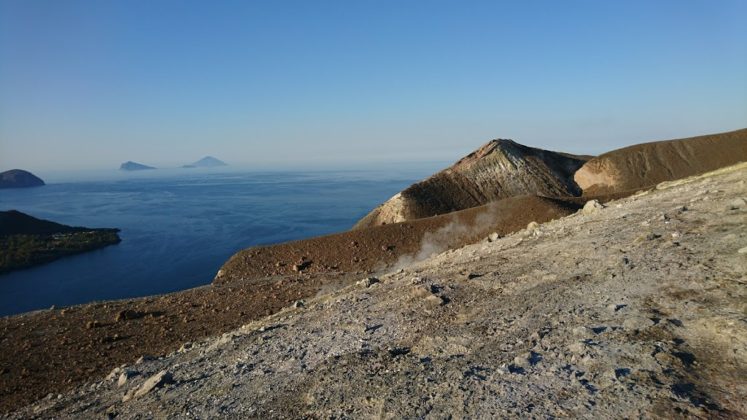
21	250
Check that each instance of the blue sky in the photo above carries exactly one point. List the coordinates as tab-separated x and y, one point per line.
90	84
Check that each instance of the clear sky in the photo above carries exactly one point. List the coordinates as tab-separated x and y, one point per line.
90	84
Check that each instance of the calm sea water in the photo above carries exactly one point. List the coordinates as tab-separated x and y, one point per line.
179	226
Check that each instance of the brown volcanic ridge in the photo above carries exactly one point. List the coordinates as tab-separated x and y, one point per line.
647	164
499	169
52	351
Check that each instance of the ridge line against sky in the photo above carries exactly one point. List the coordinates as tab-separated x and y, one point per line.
90	84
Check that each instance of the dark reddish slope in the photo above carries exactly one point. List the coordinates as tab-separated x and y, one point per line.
381	247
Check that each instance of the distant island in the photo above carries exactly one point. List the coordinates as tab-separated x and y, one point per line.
206	162
18	178
27	241
134	166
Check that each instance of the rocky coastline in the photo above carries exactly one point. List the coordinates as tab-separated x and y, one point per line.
27	241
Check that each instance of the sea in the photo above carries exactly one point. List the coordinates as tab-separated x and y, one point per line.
178	226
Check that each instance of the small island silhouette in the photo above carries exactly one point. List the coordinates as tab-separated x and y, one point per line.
18	178
206	162
134	166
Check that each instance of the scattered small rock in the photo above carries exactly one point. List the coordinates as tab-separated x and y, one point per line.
737	203
653	235
616	307
598	330
534	358
113	374
580	331
533	229
493	237
124	376
142	359
398	351
156	381
301	265
437	300
128	314
637	323
592	206
621	372
518	370
577	347
367	282
299	304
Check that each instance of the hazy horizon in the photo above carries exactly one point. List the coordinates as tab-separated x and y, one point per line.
89	85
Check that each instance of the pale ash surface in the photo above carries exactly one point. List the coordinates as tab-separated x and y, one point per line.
636	309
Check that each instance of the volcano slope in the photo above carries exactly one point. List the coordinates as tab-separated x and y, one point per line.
52	351
385	247
647	164
632	310
498	169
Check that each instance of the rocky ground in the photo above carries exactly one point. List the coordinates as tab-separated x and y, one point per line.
629	310
55	350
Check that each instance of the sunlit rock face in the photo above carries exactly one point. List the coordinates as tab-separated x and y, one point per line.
647	164
499	169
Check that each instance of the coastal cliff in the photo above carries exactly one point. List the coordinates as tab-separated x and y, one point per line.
26	241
